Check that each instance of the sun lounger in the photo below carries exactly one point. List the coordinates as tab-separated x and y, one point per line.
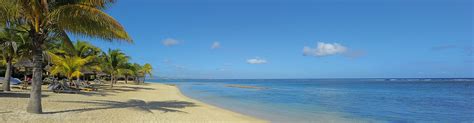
87	86
59	87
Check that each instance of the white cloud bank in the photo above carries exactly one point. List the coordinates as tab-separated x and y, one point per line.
324	49
256	60
170	42
215	45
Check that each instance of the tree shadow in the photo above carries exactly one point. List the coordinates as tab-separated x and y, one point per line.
17	95
128	88
137	88
105	90
5	112
140	105
95	93
121	89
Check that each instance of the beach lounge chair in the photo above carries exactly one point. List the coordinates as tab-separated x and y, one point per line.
48	80
87	86
98	81
61	87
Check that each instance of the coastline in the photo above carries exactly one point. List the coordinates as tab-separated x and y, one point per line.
150	102
266	112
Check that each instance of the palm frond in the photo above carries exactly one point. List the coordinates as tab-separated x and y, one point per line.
65	39
100	4
9	11
88	21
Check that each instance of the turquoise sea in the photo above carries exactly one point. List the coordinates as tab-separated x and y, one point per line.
321	100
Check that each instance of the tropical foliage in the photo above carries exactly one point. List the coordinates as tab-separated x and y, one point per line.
14	46
70	66
44	26
114	60
147	70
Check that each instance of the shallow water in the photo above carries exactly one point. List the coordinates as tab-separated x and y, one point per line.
312	100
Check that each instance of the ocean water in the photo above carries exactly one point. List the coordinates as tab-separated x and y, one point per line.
339	100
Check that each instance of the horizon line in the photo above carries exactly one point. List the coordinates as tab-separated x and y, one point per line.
325	78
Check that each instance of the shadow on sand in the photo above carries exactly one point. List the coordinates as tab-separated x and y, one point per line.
164	106
105	90
16	95
119	89
5	112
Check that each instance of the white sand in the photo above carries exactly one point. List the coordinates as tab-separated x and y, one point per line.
124	103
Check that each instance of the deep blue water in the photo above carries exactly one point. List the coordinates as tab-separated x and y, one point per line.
313	100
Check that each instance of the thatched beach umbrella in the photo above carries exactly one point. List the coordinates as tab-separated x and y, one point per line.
23	65
87	74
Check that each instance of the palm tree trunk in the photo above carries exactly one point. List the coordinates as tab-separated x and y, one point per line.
8	74
126	79
115	79
137	79
34	103
112	76
78	81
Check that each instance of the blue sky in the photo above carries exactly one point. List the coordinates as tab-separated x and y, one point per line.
279	39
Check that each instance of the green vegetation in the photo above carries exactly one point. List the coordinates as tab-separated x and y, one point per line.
38	30
114	61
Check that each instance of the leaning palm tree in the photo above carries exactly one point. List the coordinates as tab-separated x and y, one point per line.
114	60
44	18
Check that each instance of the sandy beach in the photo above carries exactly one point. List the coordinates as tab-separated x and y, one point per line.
150	102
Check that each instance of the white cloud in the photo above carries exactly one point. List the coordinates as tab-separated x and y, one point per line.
170	42
256	60
216	45
324	49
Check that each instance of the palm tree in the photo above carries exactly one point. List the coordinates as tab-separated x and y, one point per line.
82	50
137	72
44	18
147	69
71	61
126	70
13	45
9	49
114	60
85	49
70	66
